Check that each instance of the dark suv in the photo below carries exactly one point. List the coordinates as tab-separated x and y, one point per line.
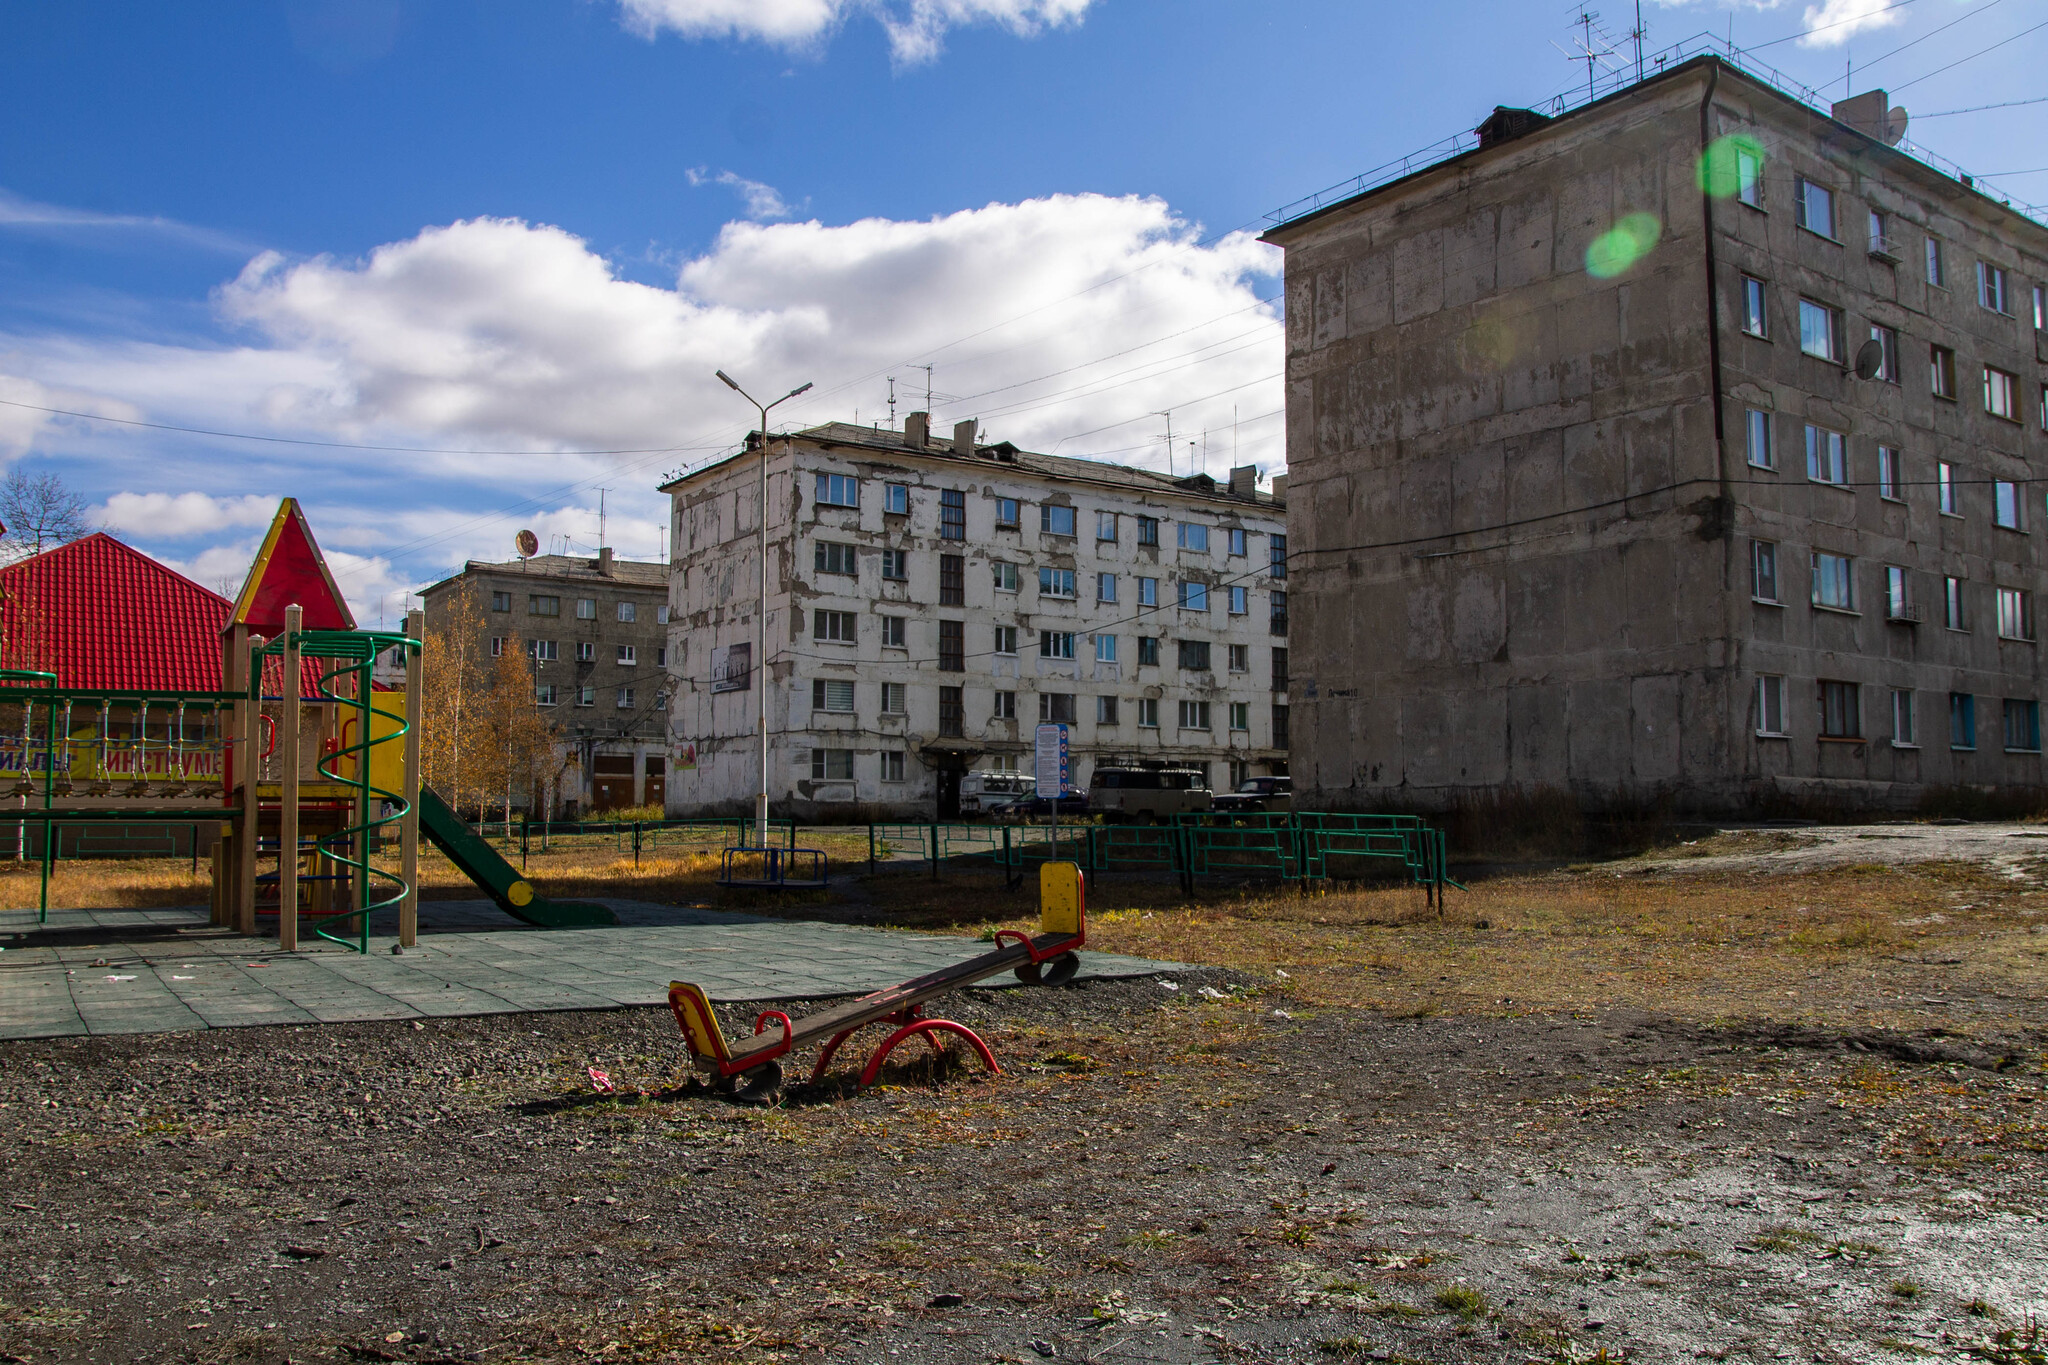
1259	794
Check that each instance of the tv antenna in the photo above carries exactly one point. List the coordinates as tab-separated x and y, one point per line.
892	402
1593	45
1638	33
600	516
927	387
1168	415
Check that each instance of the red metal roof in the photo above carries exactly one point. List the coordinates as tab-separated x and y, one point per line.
101	614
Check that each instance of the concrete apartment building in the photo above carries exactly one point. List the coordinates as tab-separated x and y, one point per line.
1588	492
930	602
595	632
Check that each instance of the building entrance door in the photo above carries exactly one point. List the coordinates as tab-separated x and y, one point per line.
949	793
611	781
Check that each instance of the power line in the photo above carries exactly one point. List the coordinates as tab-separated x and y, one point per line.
1980	108
1975	55
1823	28
1931	32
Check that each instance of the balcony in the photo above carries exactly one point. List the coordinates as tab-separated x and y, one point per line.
1884	248
1902	613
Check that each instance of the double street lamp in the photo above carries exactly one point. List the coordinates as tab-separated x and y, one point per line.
761	613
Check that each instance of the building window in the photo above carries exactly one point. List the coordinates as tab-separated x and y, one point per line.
1194	596
1887	339
1749	176
2015	614
1962	721
1945	488
1056	583
1276	624
896	565
1237	539
1055	521
952	515
497	646
1105	648
1005	576
1753	320
586	608
1941	371
537	605
952	647
1834	581
1814	209
1240	657
1897	605
1279	670
1191	535
661	615
1005	706
831	695
1880	235
628	654
1758	427
661	656
1105	710
1055	644
625	699
2005	504
892	765
544	694
1763	571
1770	707
1888	474
1194	715
828	557
895	699
952	580
1827	455
1904	733
1105	587
1006	514
838	490
2041	307
1148	592
2022	726
1240	715
1148	713
1148	649
1006	640
952	715
1279	726
1277	556
627	611
1841	711
501	601
546	651
1937	269
1194	655
1820	330
1240	600
834	627
1056	708
1148	530
896	499
1105	526
1952	604
1993	291
892	632
586	696
832	765
2001	394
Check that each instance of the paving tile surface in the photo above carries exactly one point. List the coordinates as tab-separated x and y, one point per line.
167	970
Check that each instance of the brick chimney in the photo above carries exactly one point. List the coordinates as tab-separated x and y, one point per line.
917	430
963	437
604	560
1244	482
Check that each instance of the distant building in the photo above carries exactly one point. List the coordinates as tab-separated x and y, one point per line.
1678	448
931	602
595	633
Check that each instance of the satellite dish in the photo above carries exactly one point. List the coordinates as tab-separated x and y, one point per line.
529	544
1870	359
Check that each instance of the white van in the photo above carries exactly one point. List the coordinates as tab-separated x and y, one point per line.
980	790
1147	793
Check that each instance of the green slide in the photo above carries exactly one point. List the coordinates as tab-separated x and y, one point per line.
481	864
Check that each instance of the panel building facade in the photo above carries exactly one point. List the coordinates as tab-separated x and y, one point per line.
1678	449
930	602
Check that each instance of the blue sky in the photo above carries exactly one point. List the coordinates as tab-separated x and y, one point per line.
537	225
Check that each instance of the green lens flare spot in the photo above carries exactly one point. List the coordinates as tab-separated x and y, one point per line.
1616	250
519	893
1730	165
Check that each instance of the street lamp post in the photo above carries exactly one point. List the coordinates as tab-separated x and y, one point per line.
761	613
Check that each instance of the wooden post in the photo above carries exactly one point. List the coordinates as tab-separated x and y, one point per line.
249	769
288	796
409	828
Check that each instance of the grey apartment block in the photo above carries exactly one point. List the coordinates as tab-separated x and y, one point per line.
595	633
931	601
1651	537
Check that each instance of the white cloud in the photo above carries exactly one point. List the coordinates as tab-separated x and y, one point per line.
1827	24
762	201
25	411
916	28
181	515
29	215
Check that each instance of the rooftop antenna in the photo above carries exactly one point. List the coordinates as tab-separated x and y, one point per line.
892	402
1168	415
600	516
927	386
1589	26
1639	33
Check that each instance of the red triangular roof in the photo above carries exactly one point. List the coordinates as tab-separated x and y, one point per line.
101	614
290	569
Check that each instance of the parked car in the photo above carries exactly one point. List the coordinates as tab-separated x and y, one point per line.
1258	794
1028	807
1147	793
981	792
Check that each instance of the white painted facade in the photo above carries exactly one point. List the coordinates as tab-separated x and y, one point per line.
961	620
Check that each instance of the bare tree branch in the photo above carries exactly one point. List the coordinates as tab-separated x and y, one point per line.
39	512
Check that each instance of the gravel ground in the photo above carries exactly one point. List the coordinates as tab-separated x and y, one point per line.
1197	1173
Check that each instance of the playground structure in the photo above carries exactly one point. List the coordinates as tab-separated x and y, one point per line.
298	750
752	1067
